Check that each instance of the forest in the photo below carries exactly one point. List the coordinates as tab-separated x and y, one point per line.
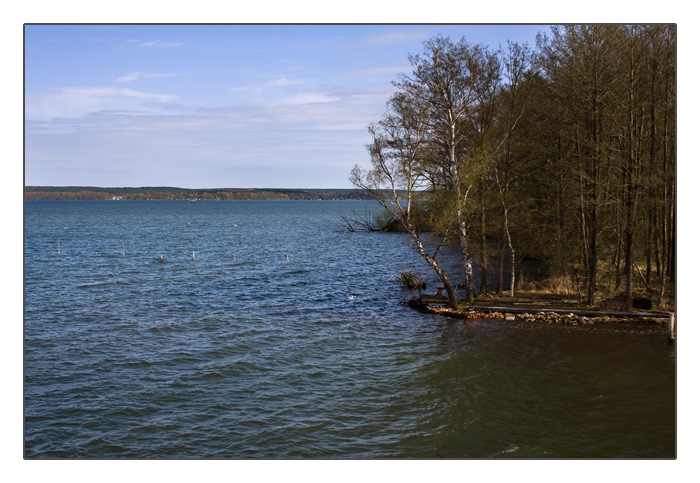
564	152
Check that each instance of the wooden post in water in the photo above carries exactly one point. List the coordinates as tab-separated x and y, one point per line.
672	327
193	257
287	258
123	253
59	248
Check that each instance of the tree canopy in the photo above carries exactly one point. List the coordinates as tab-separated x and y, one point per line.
564	153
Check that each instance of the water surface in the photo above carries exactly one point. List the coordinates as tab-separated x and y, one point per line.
281	337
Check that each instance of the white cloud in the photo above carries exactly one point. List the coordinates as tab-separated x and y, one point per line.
79	101
250	148
284	133
161	44
130	77
133	76
307	98
274	83
284	82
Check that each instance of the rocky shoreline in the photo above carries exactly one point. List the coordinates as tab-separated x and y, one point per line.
543	316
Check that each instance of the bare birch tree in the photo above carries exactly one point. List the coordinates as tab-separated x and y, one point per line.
451	80
398	144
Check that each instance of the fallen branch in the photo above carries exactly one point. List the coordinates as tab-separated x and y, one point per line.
409	292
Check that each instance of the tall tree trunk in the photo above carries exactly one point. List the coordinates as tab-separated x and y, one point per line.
483	285
617	261
512	254
467	259
501	259
462	225
593	252
649	238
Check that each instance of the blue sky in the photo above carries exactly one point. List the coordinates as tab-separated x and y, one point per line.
215	106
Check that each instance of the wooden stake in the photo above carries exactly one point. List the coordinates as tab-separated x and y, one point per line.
287	258
59	248
672	327
123	254
193	257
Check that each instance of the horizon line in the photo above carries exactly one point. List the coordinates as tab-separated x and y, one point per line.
179	188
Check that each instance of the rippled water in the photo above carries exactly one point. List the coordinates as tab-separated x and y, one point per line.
253	347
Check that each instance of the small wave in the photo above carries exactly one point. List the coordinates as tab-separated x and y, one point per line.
99	283
202	376
162	328
153	428
129	412
512	448
97	441
137	364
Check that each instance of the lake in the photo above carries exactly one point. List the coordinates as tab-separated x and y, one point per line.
253	329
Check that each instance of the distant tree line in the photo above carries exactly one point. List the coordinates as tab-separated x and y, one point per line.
166	193
565	153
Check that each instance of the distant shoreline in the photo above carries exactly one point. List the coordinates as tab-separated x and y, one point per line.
171	193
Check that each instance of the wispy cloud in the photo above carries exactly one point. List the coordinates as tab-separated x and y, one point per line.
165	106
79	101
272	88
161	44
122	148
306	98
394	37
134	76
284	82
323	128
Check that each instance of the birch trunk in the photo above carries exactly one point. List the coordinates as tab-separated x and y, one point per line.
452	300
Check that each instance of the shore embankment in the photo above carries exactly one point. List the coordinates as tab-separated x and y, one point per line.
548	315
544	309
